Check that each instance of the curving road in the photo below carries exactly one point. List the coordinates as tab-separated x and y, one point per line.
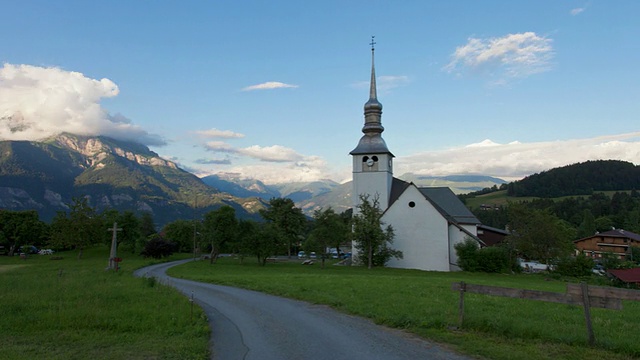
251	325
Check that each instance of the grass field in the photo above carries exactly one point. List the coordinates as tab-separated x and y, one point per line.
74	309
423	303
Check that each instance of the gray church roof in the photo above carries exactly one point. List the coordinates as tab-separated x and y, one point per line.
449	205
442	198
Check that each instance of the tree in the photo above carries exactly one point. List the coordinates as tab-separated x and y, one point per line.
329	230
369	238
147	225
221	228
288	220
538	234
259	240
158	248
182	234
80	228
21	228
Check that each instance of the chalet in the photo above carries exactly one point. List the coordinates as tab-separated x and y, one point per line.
491	236
616	241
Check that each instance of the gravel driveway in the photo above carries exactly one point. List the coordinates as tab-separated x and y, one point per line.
251	325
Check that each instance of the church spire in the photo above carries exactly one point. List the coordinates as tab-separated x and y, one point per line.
373	108
372	141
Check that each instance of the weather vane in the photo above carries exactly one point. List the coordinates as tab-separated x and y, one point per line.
372	42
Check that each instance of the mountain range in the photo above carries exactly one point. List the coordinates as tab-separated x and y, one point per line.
47	175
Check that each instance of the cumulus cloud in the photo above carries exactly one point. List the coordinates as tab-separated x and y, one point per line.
516	160
511	56
576	11
274	153
310	168
226	161
268	86
219	134
39	102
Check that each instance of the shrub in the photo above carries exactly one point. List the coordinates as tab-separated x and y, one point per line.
158	248
490	259
577	266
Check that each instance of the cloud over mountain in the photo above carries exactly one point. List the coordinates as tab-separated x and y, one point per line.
511	56
38	102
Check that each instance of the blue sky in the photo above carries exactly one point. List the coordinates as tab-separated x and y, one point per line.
275	89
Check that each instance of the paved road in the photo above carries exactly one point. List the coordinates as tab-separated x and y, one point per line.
251	325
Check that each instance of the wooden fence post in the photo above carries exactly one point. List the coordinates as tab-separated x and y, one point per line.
587	311
461	304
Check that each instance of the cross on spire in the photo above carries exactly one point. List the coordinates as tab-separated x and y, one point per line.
373	42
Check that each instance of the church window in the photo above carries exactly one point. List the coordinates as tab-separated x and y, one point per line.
412	204
375	158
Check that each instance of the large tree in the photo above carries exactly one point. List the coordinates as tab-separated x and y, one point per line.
287	220
538	234
220	227
21	228
329	231
183	234
80	228
371	241
259	240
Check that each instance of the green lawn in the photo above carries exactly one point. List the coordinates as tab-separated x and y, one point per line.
423	303
74	309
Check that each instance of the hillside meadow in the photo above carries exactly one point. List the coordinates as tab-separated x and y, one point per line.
74	309
423	303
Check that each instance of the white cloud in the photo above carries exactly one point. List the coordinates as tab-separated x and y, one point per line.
576	11
274	153
510	56
220	146
220	134
516	160
310	168
38	102
268	86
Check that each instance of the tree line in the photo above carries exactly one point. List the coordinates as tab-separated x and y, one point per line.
283	231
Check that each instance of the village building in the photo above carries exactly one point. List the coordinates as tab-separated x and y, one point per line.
428	221
616	241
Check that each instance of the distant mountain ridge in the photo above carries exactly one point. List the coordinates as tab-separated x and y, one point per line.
45	176
321	194
579	179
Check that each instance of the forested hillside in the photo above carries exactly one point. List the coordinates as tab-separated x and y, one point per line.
579	179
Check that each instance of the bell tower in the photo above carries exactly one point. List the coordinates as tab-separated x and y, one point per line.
372	160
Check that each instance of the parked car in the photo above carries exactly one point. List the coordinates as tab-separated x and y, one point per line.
313	255
28	249
302	255
45	252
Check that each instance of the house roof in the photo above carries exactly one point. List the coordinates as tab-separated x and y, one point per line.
619	233
449	205
627	275
442	198
495	230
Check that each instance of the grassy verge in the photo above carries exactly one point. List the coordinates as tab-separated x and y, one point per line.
74	309
423	303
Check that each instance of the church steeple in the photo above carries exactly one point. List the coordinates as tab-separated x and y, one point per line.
373	108
371	141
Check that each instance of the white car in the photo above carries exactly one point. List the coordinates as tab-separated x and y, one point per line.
46	252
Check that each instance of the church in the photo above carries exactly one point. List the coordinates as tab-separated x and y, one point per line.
428	221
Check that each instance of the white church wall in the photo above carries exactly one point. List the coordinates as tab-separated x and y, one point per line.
371	183
420	233
457	236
